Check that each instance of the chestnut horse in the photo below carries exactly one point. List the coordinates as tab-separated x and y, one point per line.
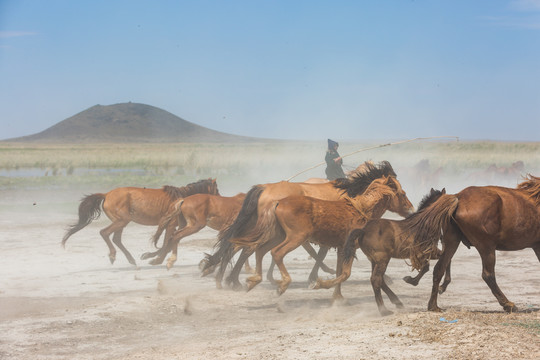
192	214
384	239
126	204
298	219
260	198
360	190
487	217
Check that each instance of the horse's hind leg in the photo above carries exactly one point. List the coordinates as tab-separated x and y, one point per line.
233	278
488	274
117	239
105	234
450	245
377	282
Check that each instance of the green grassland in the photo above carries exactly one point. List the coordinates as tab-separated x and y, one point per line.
236	166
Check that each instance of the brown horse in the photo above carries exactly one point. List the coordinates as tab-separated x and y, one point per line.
296	220
384	239
487	217
262	197
192	214
299	219
126	204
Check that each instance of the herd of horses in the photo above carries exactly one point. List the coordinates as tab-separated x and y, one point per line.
345	214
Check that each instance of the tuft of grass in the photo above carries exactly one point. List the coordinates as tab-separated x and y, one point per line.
532	325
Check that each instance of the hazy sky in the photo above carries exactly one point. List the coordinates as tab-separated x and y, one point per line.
283	69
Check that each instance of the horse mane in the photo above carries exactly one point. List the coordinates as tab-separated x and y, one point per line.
359	181
184	191
428	199
531	186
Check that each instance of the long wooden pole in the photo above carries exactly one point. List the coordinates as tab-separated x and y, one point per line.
376	147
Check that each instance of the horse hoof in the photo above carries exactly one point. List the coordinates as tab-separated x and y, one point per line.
399	305
435	309
510	308
145	256
385	312
237	287
409	280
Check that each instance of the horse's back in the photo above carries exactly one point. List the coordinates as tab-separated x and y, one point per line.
498	214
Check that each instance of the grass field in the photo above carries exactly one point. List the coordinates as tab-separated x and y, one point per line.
237	166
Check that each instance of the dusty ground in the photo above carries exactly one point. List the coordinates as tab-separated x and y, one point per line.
73	304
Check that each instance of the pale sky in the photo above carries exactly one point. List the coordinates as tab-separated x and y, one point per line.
348	70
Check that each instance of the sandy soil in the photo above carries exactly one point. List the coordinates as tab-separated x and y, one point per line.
73	304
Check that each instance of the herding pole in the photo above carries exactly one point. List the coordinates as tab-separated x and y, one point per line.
376	147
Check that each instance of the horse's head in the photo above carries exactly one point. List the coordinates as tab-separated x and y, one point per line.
399	202
212	187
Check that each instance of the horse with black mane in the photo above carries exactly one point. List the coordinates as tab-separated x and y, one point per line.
488	218
297	219
141	205
261	198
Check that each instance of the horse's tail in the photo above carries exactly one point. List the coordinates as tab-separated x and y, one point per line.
353	242
247	216
89	210
265	229
425	226
165	221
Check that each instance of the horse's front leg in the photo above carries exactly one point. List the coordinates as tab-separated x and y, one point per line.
343	271
415	280
319	257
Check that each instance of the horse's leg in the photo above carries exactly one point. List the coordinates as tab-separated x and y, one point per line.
537	251
391	295
377	280
270	272
319	257
290	243
117	239
450	245
247	267
179	235
105	234
233	278
488	274
447	279
414	280
343	271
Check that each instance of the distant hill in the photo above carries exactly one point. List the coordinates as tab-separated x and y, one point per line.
129	122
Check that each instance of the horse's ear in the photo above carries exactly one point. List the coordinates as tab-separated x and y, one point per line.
443	191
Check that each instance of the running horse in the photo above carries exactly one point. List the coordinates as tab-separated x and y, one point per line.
489	218
384	239
260	199
192	214
297	219
126	204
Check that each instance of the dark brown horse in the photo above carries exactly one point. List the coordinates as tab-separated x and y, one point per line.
384	239
192	214
298	219
261	198
126	204
487	217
